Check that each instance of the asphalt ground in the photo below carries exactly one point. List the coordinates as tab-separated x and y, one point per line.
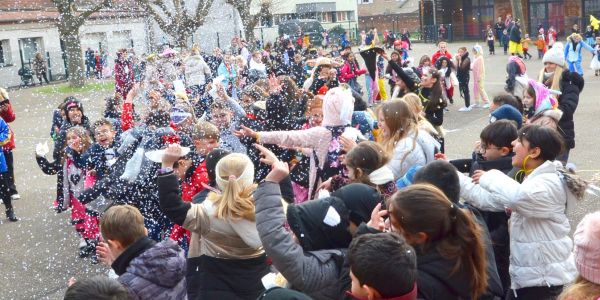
39	253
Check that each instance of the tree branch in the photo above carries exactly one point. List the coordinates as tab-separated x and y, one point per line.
84	15
161	23
162	6
202	11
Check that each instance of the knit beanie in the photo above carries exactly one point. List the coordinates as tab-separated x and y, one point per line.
507	112
320	224
555	55
587	247
338	106
360	199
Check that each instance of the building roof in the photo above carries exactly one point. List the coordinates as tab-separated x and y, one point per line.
27	11
387	7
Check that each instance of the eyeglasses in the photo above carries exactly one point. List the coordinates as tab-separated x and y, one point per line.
484	147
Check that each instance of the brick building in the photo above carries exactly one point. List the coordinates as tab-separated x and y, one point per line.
470	17
392	15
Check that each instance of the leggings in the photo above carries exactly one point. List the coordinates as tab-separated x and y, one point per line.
464	92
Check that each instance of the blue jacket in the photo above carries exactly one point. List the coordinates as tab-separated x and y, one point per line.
573	55
4	138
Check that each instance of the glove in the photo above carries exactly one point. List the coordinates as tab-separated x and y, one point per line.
42	149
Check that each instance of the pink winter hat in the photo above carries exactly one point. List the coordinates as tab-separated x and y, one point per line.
587	247
338	105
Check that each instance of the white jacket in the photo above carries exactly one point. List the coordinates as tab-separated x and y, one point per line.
405	156
540	245
196	70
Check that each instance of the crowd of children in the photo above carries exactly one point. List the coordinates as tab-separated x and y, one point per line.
272	174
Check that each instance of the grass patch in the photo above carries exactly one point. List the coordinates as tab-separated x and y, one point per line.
64	88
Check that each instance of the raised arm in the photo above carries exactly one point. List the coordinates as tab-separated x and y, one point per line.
303	270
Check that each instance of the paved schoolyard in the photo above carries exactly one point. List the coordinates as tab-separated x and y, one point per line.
39	253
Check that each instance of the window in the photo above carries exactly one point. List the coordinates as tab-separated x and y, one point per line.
592	7
366	1
342	16
5	59
29	47
350	16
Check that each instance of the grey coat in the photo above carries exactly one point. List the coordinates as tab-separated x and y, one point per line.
315	273
157	273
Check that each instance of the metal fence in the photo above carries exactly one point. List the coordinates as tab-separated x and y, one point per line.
433	34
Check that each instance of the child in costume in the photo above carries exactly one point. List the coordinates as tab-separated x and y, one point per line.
478	68
573	52
595	64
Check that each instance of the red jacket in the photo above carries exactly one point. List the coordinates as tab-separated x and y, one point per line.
9	116
193	186
437	55
189	189
348	72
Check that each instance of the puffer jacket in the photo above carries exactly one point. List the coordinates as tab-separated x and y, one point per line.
571	86
540	245
547	118
196	70
420	152
157	273
315	273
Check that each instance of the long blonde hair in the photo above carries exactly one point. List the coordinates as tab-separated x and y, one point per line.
234	176
414	104
555	78
401	121
581	289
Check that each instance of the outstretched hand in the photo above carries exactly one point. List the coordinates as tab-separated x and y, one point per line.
279	171
274	84
245	131
266	156
171	155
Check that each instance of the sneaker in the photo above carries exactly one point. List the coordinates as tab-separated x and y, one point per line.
82	244
10	215
476	105
486	105
15	197
465	109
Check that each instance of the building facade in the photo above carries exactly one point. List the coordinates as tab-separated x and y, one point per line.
394	15
469	18
340	14
29	27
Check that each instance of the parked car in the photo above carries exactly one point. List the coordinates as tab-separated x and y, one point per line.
293	28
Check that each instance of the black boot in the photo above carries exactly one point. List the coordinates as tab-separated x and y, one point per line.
10	214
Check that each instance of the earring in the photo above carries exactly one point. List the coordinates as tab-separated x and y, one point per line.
524	166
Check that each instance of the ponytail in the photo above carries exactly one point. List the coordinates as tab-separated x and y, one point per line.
450	230
234	176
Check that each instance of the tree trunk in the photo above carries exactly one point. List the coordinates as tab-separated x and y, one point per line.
249	33
181	41
74	57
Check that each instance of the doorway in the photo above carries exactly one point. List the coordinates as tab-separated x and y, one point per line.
547	13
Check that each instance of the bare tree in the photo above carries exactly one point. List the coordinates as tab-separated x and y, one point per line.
69	22
174	19
249	20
